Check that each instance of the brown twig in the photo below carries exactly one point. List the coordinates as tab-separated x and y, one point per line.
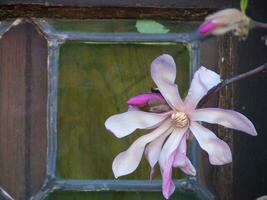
228	81
259	24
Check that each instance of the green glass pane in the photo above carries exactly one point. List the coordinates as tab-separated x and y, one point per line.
102	25
95	81
112	195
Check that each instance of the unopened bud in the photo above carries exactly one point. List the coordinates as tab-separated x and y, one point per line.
225	21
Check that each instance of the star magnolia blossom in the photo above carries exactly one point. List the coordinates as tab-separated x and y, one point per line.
166	143
224	21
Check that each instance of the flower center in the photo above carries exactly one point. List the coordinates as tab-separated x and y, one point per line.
180	119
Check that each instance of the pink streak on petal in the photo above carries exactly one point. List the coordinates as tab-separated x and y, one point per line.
143	99
125	123
168	186
163	73
219	152
207	27
227	118
166	159
126	162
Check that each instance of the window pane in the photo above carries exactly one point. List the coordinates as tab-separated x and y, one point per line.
112	195
102	25
95	81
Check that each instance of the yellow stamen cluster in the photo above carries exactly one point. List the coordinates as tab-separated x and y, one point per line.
180	119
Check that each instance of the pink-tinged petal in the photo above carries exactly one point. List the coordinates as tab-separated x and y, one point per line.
166	159
126	162
203	80
163	72
125	123
153	150
207	27
219	152
227	118
168	186
152	173
143	99
181	159
171	145
188	168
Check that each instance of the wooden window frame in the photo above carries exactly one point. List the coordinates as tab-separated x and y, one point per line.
180	11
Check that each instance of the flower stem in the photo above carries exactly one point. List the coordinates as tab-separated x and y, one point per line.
228	81
259	24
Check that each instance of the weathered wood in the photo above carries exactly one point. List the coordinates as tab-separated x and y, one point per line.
224	174
209	55
250	153
129	3
41	11
250	163
23	91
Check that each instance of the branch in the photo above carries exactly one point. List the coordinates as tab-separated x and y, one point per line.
259	24
228	81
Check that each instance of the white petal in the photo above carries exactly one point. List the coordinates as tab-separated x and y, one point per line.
133	108
126	162
171	145
219	152
227	118
181	153
125	123
181	159
166	160
188	168
153	150
163	72
202	82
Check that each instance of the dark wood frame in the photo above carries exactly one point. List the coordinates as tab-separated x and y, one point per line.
80	9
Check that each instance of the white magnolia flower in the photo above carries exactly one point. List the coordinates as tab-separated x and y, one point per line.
166	143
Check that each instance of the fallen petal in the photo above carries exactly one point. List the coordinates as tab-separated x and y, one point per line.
227	118
126	162
125	123
219	152
163	73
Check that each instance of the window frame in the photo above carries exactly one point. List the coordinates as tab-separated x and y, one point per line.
55	39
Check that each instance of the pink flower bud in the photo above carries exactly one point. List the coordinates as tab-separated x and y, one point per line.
225	21
144	99
206	27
